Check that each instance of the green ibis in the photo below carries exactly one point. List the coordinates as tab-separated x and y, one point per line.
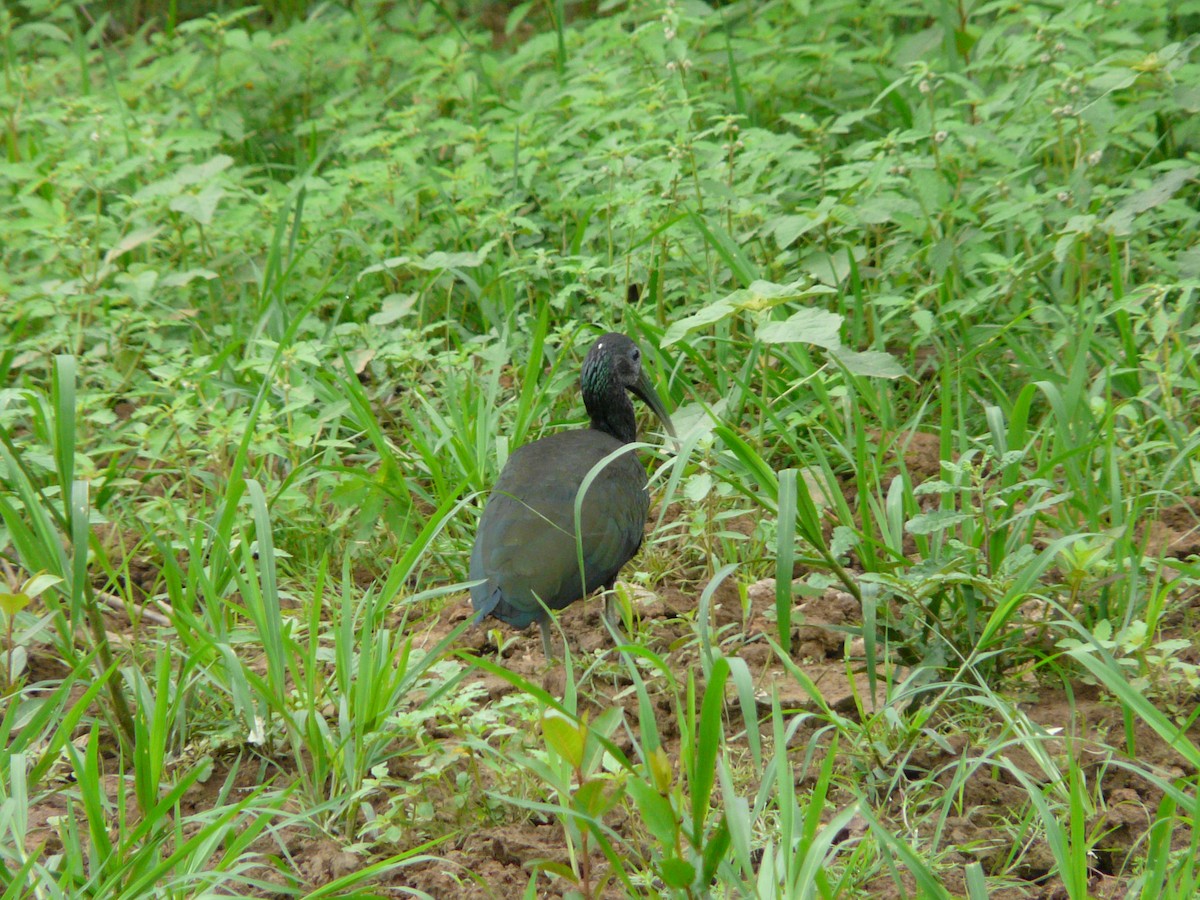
525	555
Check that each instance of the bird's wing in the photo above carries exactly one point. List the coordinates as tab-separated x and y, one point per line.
526	544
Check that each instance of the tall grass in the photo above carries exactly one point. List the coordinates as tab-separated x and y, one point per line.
284	286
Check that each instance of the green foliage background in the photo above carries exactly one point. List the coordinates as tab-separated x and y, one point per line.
350	253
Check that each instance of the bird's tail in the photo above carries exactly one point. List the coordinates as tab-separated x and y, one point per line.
485	605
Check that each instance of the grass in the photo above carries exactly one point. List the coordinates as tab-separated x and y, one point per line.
282	288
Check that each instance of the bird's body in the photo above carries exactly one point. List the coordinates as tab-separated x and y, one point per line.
532	549
525	548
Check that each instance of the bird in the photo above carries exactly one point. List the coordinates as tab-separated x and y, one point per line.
525	559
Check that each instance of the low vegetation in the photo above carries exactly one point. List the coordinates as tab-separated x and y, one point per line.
282	286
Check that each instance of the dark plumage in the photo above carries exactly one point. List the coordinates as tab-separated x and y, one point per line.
525	547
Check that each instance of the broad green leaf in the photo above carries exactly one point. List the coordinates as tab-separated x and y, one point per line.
203	172
713	312
869	363
762	295
179	279
697	487
467	260
11	604
677	873
199	206
564	737
130	241
808	326
590	798
656	812
936	521
1163	189
39	583
393	308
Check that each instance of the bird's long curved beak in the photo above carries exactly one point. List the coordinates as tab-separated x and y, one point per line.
645	389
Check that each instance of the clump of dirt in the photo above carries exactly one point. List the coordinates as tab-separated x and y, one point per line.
1175	533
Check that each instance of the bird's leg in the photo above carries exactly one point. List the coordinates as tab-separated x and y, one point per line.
544	625
611	614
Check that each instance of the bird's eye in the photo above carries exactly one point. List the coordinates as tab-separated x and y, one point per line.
636	355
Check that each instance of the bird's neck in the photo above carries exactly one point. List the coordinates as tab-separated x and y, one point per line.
612	413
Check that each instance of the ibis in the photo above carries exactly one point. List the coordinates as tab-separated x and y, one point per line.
526	554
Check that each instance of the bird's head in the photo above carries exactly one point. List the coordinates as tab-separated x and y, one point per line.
614	365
